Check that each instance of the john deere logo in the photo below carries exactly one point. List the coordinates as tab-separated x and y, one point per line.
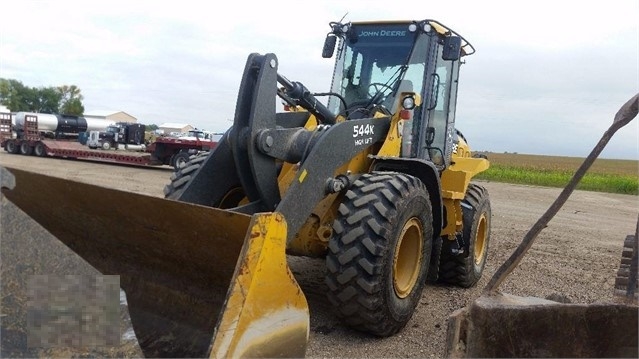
387	33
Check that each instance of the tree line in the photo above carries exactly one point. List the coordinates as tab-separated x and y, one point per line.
65	99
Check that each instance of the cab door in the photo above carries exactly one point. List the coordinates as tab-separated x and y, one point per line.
439	109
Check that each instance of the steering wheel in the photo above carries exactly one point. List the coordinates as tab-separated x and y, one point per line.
376	91
378	87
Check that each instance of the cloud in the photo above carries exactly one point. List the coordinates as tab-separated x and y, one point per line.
547	77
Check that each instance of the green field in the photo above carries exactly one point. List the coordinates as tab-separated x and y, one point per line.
605	175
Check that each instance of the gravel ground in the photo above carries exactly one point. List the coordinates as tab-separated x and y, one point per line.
576	256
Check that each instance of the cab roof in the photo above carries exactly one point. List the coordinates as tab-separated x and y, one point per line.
467	48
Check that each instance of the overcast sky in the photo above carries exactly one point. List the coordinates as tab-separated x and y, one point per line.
547	78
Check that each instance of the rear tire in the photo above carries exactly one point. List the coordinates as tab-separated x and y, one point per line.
378	257
39	150
466	269
106	145
26	149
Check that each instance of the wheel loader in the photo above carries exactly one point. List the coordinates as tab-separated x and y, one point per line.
376	180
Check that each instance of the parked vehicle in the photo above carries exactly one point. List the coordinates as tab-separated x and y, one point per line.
27	134
122	135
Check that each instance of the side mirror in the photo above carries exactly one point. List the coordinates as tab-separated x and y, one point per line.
329	46
452	48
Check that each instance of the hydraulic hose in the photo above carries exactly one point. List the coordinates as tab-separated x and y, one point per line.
298	92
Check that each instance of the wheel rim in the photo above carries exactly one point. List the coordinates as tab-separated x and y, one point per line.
39	149
407	260
180	162
24	148
11	146
480	240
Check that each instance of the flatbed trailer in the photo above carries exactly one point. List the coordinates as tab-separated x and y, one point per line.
29	141
76	150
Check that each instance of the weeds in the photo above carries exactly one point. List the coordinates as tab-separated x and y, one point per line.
612	176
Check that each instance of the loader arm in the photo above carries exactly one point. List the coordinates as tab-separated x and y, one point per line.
248	154
335	147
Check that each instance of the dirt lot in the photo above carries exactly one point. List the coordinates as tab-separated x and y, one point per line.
576	256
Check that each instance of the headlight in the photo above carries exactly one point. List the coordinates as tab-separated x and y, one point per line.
408	102
412	27
427	27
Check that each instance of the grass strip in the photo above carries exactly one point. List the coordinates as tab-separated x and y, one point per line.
598	182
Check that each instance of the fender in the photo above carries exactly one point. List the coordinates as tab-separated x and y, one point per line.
427	173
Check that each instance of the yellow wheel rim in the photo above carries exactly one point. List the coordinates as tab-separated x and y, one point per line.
408	258
480	239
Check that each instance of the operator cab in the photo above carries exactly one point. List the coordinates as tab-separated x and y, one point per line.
378	64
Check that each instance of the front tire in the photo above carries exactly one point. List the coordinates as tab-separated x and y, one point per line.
184	175
180	160
378	257
466	269
180	178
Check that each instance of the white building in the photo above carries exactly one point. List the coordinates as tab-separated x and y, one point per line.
115	116
172	127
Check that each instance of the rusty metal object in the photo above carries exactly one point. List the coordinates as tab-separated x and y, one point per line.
502	325
507	326
627	281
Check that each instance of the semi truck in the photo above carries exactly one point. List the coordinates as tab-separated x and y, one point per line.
61	136
121	135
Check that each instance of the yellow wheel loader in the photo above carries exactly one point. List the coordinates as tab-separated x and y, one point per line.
377	181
